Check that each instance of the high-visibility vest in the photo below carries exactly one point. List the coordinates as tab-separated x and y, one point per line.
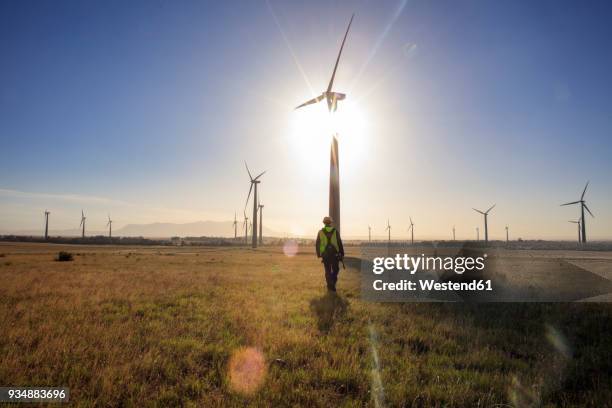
323	240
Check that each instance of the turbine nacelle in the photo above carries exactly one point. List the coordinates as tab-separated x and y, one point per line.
331	97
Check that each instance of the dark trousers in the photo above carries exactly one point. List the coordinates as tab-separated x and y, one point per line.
332	268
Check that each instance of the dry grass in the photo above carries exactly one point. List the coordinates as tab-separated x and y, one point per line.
230	326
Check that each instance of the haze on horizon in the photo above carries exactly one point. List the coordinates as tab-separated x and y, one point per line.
147	110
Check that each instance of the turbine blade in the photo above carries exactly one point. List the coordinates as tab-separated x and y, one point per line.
486	212
410	220
587	208
478	211
261	174
248	197
584	191
331	82
248	171
310	102
573	202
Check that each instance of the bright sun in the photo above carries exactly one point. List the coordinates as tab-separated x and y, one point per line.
313	127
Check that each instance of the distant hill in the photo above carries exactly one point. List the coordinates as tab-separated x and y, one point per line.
192	229
159	230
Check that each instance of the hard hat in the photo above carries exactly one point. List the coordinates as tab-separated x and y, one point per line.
327	220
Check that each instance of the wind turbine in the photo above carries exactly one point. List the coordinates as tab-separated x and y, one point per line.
583	207
260	223
477	234
83	218
369	234
110	227
411	229
453	233
245	224
388	229
486	229
47	224
579	223
254	182
332	99
235	224
507	238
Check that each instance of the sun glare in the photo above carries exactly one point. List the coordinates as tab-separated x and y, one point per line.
314	126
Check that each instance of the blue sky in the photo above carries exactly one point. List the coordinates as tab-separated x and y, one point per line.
146	110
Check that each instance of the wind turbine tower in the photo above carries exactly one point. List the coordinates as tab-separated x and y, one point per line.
388	229
332	99
453	233
83	218
507	237
47	224
477	234
583	207
110	227
486	229
245	224
254	182
411	229
235	224
369	234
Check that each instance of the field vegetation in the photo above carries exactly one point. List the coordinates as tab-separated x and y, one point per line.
170	326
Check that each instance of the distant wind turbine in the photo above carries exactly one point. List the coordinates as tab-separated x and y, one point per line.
583	207
507	236
388	229
477	234
235	224
83	218
332	99
579	223
254	182
411	229
453	233
369	234
110	227
47	224
486	229
245	224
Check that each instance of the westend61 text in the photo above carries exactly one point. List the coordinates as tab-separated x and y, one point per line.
428	285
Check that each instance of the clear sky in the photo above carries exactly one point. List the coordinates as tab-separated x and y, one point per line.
146	110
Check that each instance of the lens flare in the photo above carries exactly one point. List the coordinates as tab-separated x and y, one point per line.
290	248
247	370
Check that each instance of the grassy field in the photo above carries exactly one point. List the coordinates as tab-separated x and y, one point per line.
234	327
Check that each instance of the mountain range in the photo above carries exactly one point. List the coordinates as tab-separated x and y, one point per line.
159	230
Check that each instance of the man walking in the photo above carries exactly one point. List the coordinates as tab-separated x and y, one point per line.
329	248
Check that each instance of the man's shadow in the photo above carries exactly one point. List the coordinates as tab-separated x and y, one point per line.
328	309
